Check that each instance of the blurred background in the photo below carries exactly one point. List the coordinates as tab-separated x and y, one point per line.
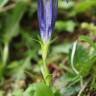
20	55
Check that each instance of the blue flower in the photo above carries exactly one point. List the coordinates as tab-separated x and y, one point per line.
47	14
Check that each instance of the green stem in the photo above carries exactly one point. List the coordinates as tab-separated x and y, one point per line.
44	69
72	58
5	53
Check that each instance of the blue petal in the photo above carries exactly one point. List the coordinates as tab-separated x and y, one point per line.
47	14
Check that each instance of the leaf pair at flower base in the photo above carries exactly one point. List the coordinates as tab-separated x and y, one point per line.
39	89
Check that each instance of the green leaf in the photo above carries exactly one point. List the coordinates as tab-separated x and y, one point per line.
43	90
82	61
3	2
65	25
17	92
12	25
70	91
30	90
39	89
1	71
83	6
17	68
62	48
56	92
89	40
1	93
66	5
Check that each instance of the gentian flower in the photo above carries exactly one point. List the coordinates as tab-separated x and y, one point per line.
47	14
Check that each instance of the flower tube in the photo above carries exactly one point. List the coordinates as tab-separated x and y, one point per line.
47	14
